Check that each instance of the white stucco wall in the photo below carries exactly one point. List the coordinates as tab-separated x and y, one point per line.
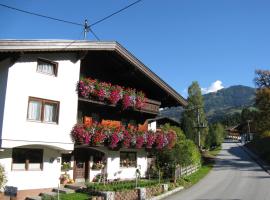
115	171
46	178
24	81
152	126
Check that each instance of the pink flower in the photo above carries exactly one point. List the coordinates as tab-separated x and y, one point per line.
127	139
115	96
79	134
140	100
160	140
150	139
139	141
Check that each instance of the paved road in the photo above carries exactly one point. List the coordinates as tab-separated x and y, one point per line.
234	177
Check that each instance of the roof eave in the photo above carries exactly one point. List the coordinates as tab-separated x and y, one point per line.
82	45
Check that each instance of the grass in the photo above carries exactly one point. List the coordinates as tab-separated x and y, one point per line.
74	196
214	152
197	176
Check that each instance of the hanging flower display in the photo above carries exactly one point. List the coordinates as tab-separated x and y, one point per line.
83	88
129	98
115	138
103	91
79	134
139	140
150	139
116	94
160	140
97	134
98	137
126	138
140	100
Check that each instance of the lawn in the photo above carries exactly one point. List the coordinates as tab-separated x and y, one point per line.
197	176
74	196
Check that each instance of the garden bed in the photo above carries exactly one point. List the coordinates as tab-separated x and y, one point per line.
120	185
127	190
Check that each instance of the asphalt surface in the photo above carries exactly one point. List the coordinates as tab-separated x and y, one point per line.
235	176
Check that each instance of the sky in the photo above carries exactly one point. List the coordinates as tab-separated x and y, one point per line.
218	43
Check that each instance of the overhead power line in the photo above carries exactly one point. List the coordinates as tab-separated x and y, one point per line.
116	12
87	28
39	15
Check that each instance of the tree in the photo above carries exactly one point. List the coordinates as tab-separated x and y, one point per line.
194	109
262	81
216	135
263	105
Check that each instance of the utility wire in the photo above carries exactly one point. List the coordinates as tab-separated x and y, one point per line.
39	15
88	28
94	33
51	18
109	16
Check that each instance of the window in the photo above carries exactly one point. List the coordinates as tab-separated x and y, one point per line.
128	159
43	110
47	67
27	159
66	162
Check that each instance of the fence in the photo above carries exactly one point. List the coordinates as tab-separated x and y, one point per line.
184	171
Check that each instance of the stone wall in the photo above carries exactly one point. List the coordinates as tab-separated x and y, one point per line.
135	194
127	195
153	191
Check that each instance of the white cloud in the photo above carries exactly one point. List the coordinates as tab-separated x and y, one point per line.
215	86
185	93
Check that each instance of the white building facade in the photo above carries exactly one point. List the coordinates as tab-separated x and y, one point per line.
39	105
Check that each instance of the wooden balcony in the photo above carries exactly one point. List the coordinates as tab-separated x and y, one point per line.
150	106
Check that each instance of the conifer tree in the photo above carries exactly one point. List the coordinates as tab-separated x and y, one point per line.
194	109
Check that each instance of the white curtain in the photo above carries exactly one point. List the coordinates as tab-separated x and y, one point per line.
49	111
45	68
34	110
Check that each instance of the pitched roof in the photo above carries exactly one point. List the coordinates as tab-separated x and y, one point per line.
13	46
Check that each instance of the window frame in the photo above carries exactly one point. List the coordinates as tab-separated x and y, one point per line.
55	66
27	160
43	103
128	152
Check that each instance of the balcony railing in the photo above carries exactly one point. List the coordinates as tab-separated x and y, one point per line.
150	106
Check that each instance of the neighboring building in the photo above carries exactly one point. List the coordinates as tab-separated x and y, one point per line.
40	105
162	120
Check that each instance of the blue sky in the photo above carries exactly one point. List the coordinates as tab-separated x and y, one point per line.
180	40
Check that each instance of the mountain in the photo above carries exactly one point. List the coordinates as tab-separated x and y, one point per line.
223	102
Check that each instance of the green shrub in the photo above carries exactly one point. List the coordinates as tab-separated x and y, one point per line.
265	134
120	185
184	153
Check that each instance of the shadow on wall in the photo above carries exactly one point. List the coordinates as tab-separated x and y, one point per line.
4	67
